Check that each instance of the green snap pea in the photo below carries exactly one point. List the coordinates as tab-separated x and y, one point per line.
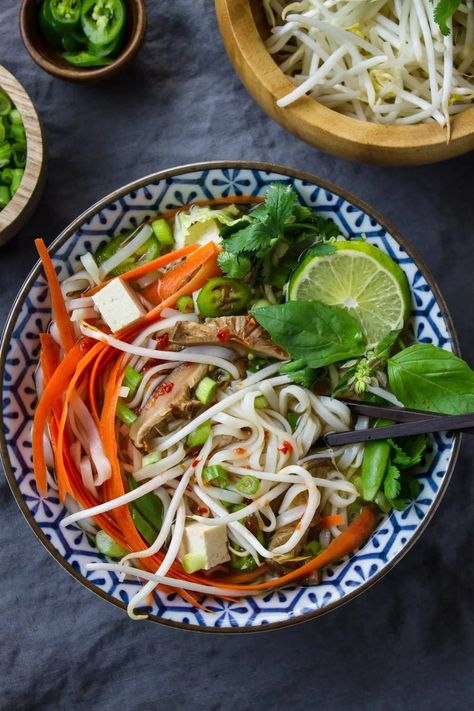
374	464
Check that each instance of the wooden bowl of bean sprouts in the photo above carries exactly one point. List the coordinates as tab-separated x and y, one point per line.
380	82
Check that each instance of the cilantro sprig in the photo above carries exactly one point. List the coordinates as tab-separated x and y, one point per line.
443	12
268	243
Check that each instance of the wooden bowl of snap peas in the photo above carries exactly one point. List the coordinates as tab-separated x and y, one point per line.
23	185
52	60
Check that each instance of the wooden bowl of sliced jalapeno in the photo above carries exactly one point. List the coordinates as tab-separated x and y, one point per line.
83	40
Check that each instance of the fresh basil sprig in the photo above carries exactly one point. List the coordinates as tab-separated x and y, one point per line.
314	332
429	378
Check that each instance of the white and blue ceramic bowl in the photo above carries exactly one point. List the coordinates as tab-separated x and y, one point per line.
19	356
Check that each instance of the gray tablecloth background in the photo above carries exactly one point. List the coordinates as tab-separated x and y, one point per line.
407	642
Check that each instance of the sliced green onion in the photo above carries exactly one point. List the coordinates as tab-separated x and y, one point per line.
107	546
132	380
162	231
261	402
185	304
18	132
151	458
312	548
256	364
222	376
206	390
6	176
193	561
248	485
216	475
5	154
15	117
19	154
124	413
200	435
5	104
17	177
4	196
293	366
293	419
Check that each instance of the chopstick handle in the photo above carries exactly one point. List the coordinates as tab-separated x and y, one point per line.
442	423
388	412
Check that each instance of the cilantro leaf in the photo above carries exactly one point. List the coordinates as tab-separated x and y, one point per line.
391	483
280	203
256	238
408	451
444	11
233	265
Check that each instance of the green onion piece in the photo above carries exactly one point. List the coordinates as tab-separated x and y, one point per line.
5	196
248	485
185	304
132	380
162	231
5	154
18	133
216	475
125	414
261	402
5	104
293	419
221	376
151	458
15	117
19	154
3	132
357	481
193	561
312	548
107	546
293	366
6	176
200	435
206	390
17	177
256	364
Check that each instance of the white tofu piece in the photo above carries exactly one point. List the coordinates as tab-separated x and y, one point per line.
118	304
208	541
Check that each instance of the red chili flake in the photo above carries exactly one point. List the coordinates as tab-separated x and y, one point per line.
266	435
251	525
196	462
223	335
163	342
279	350
240	450
203	510
286	448
165	389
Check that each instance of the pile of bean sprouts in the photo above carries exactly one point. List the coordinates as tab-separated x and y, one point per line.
294	483
384	61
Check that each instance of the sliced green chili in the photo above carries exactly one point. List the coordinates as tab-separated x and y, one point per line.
248	485
185	304
223	296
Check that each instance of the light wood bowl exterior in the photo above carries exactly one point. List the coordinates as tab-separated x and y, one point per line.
24	202
51	60
243	28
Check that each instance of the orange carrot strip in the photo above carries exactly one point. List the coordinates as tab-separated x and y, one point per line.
51	394
60	312
329	521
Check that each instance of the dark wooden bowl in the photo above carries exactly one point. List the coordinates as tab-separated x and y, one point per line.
50	59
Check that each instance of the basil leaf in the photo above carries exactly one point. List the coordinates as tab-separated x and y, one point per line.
310	330
428	378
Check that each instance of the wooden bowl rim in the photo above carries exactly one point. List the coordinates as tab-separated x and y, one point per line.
248	42
138	7
11	215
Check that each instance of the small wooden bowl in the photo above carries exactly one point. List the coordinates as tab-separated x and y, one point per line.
24	202
243	28
51	60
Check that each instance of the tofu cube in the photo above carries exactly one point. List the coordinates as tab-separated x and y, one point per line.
208	541
118	304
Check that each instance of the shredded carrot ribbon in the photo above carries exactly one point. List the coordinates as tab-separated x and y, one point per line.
60	312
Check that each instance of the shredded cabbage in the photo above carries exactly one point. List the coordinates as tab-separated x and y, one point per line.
201	224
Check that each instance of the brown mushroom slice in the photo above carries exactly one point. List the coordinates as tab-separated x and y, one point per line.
242	333
172	397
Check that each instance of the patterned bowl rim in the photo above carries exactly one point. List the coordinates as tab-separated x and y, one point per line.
67	234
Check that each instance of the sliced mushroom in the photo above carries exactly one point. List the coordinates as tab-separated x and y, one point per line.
242	333
172	397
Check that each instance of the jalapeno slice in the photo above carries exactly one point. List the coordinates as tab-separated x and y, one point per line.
102	20
65	14
85	58
150	250
48	26
223	296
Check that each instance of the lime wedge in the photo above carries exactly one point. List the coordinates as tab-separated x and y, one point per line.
360	278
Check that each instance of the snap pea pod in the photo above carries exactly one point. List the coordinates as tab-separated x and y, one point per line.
149	508
374	464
